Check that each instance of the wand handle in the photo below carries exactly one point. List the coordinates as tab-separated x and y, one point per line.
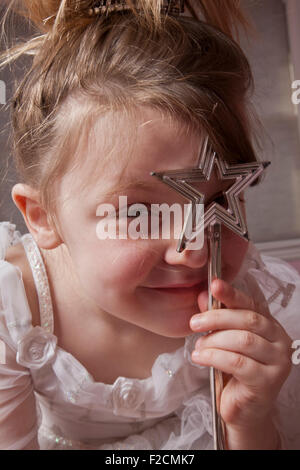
216	377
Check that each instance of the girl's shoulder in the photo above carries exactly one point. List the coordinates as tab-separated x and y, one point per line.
15	255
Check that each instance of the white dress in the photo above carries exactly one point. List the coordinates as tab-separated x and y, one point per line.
48	395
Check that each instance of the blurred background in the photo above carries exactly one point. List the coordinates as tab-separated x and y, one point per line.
273	206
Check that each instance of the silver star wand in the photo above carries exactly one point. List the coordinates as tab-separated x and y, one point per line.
214	216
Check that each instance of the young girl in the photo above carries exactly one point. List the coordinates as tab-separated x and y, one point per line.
105	340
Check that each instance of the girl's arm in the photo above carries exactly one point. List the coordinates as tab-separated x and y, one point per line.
263	436
18	416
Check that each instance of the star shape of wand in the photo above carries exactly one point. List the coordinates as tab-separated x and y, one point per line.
232	217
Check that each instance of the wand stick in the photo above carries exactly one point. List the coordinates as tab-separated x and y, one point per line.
216	377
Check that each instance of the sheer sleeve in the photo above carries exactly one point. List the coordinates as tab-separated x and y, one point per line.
18	414
287	312
280	284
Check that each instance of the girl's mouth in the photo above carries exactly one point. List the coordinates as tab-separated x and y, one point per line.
181	289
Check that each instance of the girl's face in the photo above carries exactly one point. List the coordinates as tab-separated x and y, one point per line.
125	277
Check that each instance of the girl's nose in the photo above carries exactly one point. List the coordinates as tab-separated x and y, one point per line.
192	258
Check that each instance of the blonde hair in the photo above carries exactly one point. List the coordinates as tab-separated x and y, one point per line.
116	63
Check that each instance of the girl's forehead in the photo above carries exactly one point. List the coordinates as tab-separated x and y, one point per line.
118	149
153	151
121	154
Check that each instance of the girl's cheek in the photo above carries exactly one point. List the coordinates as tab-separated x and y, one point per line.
131	263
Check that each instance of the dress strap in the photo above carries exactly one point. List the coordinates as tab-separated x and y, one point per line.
41	281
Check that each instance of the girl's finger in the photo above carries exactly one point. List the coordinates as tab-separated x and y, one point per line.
234	298
203	301
247	320
244	342
244	369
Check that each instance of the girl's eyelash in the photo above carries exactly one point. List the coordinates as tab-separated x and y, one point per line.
218	196
138	212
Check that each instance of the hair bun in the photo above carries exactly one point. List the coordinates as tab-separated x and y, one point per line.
49	15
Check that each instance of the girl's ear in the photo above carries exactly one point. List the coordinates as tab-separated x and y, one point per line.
28	202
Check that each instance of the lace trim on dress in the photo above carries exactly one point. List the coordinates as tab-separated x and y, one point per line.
254	271
9	236
41	281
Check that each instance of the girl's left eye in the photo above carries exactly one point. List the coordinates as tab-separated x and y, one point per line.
219	199
144	209
138	214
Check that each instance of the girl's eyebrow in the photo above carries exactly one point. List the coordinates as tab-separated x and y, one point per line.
139	184
120	187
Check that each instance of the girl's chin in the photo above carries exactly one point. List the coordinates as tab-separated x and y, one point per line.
175	329
172	320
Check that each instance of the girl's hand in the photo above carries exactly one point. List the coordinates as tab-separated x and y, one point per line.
247	343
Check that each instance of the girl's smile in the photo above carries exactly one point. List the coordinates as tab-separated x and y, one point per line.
182	291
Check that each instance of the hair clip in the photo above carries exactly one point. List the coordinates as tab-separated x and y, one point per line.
45	20
169	7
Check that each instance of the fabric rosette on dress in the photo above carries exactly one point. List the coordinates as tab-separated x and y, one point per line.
128	397
36	348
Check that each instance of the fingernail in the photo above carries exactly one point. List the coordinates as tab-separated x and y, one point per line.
197	323
215	282
196	355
